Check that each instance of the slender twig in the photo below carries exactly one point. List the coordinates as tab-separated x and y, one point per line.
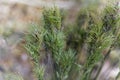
106	56
102	63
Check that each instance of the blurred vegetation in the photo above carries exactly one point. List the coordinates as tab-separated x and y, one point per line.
12	76
33	46
94	34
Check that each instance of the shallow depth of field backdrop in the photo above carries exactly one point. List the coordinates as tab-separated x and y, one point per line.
16	16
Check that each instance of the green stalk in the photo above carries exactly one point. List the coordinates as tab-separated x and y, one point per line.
102	35
33	45
54	41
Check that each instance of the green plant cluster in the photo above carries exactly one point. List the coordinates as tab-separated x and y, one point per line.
99	31
33	46
54	40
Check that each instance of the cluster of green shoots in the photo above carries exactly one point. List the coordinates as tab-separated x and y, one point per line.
33	46
99	31
52	39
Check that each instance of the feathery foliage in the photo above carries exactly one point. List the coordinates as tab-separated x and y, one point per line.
99	31
101	36
33	46
54	40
